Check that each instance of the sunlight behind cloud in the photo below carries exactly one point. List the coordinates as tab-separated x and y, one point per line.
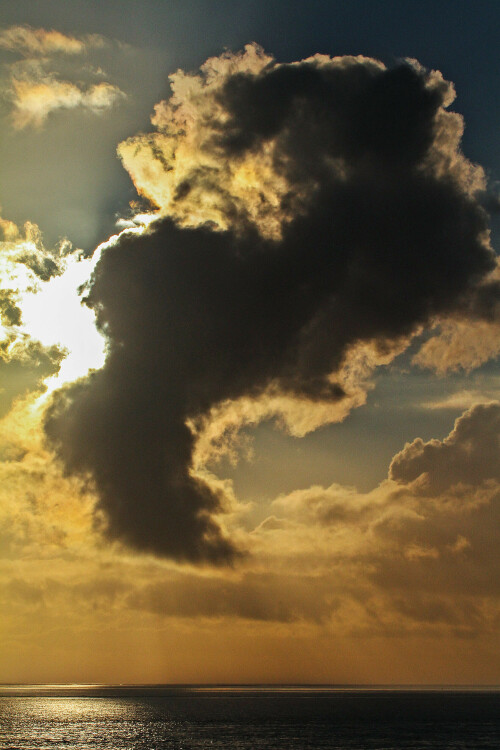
56	315
41	302
305	236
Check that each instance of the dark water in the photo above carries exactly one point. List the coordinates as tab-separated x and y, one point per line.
156	718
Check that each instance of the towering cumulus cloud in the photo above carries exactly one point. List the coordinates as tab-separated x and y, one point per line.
306	210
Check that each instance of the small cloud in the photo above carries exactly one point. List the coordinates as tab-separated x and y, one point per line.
37	87
462	400
417	552
272	523
460	345
35	100
37	42
459	545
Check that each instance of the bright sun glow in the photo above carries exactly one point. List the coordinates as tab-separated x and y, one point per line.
55	315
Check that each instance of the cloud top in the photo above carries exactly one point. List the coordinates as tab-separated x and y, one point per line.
469	455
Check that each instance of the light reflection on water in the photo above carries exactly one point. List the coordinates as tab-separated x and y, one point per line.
243	720
75	709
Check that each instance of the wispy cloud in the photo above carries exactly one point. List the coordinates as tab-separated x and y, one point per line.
461	344
34	100
37	84
464	399
32	42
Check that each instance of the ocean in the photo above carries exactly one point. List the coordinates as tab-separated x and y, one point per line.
96	717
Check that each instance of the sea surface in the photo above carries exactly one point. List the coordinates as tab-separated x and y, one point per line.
96	717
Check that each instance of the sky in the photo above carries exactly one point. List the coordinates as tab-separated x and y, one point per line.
250	330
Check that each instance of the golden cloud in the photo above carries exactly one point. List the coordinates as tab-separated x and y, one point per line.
179	172
34	100
417	555
38	42
394	570
36	88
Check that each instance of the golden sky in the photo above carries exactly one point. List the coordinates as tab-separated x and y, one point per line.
250	421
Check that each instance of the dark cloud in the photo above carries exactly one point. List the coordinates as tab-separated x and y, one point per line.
356	111
265	597
10	314
382	241
43	266
470	454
